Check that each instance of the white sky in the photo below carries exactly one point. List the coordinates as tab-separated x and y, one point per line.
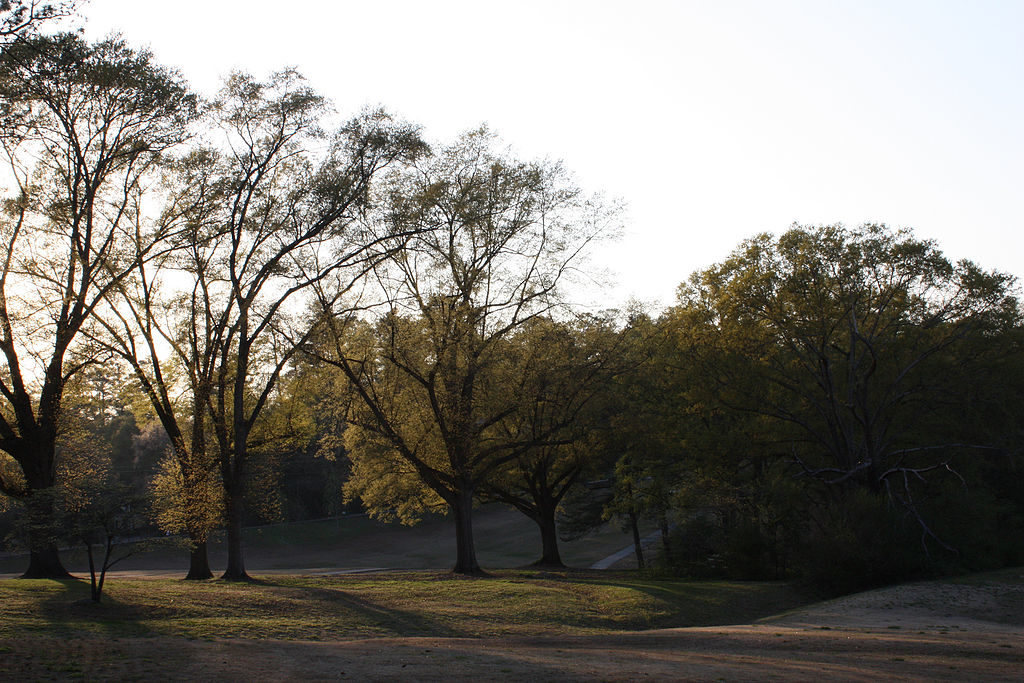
712	120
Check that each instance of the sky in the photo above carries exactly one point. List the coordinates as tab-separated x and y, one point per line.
712	121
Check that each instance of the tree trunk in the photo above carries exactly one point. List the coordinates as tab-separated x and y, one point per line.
93	593
234	463
45	564
637	545
96	579
236	564
193	466
550	557
465	562
44	560
199	562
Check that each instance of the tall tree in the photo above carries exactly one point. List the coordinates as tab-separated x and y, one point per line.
846	338
270	211
492	239
159	321
168	346
83	125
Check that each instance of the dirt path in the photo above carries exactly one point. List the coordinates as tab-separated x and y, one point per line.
759	652
733	653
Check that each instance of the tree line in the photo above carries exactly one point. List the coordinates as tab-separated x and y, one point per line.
243	278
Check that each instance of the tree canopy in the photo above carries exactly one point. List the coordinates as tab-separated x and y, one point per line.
861	347
488	241
83	126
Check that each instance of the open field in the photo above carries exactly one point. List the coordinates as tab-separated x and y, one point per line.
307	620
509	603
519	625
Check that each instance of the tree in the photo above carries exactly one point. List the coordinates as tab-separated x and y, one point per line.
309	419
83	125
166	335
564	372
92	504
627	434
106	518
845	339
269	212
491	239
644	438
673	456
20	19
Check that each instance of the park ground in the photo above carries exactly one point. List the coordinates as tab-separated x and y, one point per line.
335	622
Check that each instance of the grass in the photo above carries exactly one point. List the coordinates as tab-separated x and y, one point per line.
401	604
151	628
365	627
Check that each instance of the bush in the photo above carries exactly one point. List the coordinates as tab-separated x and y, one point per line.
859	541
987	531
696	547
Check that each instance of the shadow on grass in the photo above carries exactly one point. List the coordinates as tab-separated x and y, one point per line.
697	603
366	613
679	603
71	612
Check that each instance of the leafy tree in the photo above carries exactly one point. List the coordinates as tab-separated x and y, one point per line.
106	518
106	398
645	435
189	500
636	446
139	324
491	240
845	339
20	18
92	504
563	372
83	125
269	211
314	412
702	473
96	508
160	308
306	424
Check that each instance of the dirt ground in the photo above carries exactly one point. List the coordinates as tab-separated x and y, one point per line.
940	631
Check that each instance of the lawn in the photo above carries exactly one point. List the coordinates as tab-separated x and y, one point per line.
509	603
513	625
415	621
156	627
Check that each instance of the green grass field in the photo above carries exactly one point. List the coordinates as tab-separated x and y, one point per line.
393	604
511	625
514	624
171	629
151	625
51	629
